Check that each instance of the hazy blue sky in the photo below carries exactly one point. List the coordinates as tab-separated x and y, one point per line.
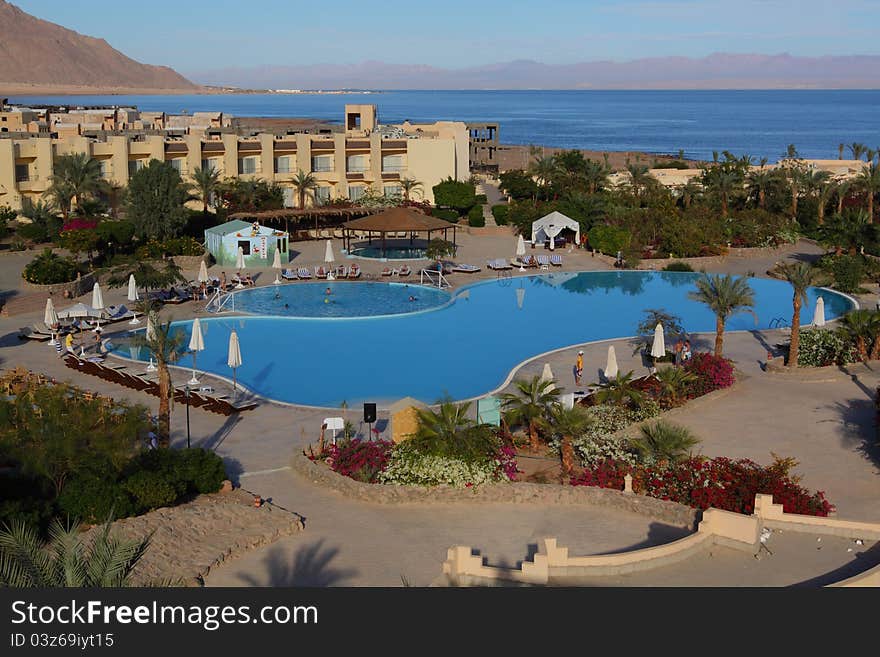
195	35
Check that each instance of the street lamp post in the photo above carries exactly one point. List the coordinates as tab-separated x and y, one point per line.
186	394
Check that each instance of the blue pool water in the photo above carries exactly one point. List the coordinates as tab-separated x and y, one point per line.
346	299
391	252
468	347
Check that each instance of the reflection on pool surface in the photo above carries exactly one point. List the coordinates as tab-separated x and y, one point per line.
391	252
346	299
468	347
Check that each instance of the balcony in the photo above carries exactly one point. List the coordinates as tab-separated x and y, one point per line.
357	169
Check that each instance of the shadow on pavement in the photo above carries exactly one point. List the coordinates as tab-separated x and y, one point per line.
310	565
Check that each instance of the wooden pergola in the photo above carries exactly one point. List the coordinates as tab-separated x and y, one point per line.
395	220
295	214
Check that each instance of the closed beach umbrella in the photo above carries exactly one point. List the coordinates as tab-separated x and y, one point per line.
520	250
546	373
276	264
819	315
239	260
50	317
203	273
658	349
98	301
520	297
196	344
133	296
234	358
328	252
611	364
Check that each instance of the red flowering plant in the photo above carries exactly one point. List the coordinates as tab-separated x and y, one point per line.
80	223
362	460
712	372
507	459
722	483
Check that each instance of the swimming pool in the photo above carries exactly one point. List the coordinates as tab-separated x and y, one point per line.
468	347
391	252
346	299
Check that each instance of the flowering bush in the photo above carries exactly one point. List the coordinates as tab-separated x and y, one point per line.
820	347
507	459
409	466
720	482
712	373
79	223
361	460
597	443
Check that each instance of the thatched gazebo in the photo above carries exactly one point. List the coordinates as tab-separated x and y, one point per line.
395	220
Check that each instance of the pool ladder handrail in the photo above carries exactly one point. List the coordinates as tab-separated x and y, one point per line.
216	303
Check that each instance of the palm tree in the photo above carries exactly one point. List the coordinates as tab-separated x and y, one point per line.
595	175
725	183
674	381
869	182
664	441
759	182
801	275
823	196
530	405
545	169
75	177
166	345
408	185
568	423
206	183
449	431
857	150
303	183
842	191
794	175
840	148
863	326
724	295
619	391
639	177
67	560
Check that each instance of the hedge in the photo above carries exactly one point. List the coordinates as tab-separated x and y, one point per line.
501	213
475	217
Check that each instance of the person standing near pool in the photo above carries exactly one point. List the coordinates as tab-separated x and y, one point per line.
579	368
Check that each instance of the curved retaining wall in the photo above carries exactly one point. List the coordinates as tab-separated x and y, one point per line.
512	493
76	287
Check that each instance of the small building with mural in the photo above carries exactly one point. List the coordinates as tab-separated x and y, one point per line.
258	243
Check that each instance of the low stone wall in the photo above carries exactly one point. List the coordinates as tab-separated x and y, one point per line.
191	539
511	493
190	263
75	288
704	261
827	374
487	230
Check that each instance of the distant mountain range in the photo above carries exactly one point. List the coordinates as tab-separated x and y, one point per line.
717	71
37	53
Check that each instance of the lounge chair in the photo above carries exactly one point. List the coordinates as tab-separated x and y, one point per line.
340	272
119	313
303	273
320	272
288	275
543	261
498	264
466	269
556	260
405	271
354	271
387	271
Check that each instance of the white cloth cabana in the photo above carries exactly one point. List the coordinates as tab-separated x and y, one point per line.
549	226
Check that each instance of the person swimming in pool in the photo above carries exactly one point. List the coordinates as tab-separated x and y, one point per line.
412	298
287	305
328	291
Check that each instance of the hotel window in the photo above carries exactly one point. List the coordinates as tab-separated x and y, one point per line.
135	165
106	168
22	173
357	164
322	195
322	163
284	164
288	194
212	164
392	190
355	192
281	244
392	163
177	163
248	165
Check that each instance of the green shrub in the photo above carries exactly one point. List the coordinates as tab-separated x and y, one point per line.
481	199
501	213
449	215
7	214
49	268
460	196
678	265
186	246
34	232
93	498
848	272
609	239
820	347
150	490
475	217
201	469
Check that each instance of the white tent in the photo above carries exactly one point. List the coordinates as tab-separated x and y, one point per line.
549	226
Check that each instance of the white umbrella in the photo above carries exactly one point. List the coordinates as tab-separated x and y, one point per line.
239	260
196	344
819	315
547	373
328	253
276	264
133	296
203	273
234	358
79	310
50	319
611	364
658	349
98	300
520	250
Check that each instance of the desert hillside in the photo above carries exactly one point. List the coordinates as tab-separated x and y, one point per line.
34	52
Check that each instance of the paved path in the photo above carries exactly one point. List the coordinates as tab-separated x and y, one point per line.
825	426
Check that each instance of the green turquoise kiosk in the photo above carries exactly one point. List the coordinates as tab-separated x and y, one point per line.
258	244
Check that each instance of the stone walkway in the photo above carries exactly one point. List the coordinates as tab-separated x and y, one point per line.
827	427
